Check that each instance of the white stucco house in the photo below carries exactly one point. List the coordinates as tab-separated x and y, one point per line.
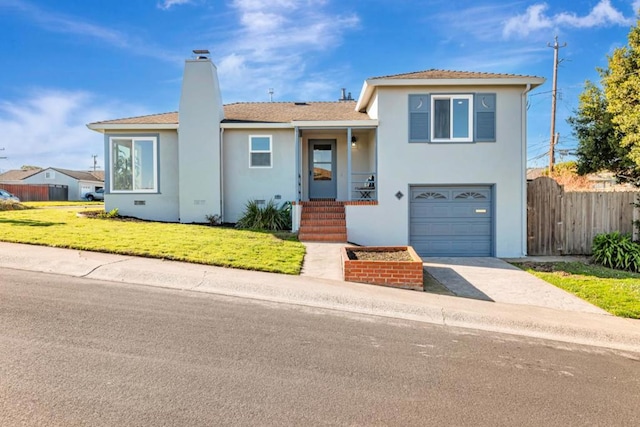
435	159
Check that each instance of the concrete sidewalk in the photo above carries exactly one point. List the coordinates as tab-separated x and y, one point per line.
569	326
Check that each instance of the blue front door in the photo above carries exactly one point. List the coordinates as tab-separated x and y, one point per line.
322	169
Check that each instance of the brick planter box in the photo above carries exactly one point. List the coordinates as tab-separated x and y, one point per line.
398	274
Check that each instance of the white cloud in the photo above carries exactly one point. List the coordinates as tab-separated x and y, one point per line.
636	6
48	128
168	4
536	18
273	44
68	24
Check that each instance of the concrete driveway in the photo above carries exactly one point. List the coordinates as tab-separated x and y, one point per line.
492	279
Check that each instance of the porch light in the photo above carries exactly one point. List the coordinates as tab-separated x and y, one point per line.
353	141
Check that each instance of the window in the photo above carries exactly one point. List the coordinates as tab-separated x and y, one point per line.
134	164
260	151
452	118
49	175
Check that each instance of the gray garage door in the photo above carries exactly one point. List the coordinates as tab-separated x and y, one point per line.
451	221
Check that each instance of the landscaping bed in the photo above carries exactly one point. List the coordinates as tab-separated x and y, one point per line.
396	266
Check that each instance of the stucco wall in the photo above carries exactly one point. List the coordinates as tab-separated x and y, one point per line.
161	206
242	183
401	164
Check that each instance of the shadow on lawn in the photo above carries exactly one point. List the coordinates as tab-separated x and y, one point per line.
29	222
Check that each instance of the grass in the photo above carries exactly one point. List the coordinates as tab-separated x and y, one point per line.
615	291
225	247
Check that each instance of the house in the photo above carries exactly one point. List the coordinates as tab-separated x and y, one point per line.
435	159
78	183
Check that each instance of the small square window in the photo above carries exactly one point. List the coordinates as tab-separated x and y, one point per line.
260	151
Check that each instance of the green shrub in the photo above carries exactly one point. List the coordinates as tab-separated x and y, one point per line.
265	217
615	250
113	213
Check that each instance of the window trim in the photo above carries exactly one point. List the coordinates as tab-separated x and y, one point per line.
470	126
133	139
270	151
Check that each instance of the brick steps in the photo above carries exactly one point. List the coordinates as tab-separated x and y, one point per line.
323	221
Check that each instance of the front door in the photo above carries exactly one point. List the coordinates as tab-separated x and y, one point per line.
322	169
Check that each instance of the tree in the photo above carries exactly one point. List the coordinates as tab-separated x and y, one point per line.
621	83
607	121
598	138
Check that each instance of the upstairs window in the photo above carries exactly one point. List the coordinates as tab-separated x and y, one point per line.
260	151
452	118
133	164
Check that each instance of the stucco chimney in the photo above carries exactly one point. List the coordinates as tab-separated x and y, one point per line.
200	114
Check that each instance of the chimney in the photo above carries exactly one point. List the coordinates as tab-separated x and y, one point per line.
199	163
343	95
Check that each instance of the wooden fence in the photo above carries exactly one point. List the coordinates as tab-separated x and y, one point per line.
38	192
565	223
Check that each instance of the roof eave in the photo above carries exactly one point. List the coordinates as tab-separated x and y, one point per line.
102	127
509	81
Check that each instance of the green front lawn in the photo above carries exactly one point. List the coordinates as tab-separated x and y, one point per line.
225	247
617	292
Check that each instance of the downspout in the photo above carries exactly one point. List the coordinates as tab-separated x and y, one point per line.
221	174
349	160
523	168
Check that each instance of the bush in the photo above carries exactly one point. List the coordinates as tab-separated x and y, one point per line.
267	217
615	250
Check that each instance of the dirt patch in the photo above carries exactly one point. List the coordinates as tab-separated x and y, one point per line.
103	215
544	267
378	255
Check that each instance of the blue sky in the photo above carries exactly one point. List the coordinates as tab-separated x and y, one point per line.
68	63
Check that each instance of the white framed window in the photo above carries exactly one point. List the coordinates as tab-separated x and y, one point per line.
451	118
133	164
260	153
49	175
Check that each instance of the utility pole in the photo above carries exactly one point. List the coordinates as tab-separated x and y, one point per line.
95	161
554	92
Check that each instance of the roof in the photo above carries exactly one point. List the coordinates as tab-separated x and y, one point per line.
285	112
449	74
153	119
443	78
262	112
18	174
81	175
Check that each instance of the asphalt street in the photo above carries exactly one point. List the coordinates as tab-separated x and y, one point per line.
76	351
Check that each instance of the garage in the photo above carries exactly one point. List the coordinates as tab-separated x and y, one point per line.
451	220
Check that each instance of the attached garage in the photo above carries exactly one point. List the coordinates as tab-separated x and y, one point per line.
448	221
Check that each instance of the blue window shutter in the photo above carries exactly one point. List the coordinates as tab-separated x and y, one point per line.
419	106
485	117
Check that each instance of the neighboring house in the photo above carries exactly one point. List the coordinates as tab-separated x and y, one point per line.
78	183
435	159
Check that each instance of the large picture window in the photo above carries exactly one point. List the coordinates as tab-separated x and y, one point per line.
260	151
133	164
